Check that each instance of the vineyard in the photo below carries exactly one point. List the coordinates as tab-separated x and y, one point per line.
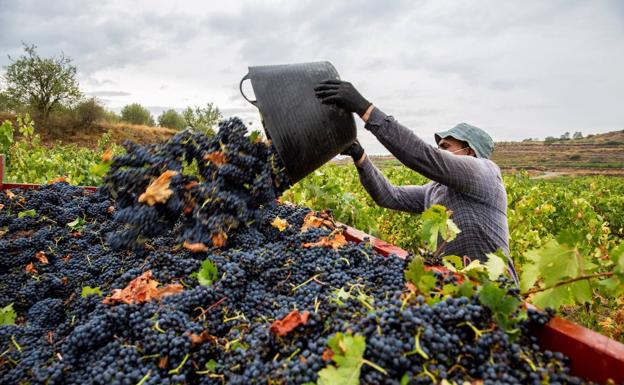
183	268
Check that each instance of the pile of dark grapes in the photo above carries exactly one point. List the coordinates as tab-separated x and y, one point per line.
222	333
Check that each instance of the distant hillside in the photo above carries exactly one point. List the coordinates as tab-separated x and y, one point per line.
88	137
598	154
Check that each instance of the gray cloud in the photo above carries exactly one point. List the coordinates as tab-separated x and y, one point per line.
108	93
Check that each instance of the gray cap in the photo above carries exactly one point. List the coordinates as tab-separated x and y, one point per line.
477	139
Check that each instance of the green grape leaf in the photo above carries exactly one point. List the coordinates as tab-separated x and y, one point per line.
88	290
466	289
348	354
207	273
100	169
553	298
496	264
30	213
7	315
77	224
211	365
423	279
437	223
405	379
530	271
581	291
453	263
557	261
340	296
499	302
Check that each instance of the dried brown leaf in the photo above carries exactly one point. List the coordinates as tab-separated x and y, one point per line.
323	219
142	289
30	268
218	239
204	336
290	322
195	247
158	191
335	242
162	363
41	257
107	155
57	180
217	157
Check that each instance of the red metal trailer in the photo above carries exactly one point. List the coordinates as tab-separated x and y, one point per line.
593	356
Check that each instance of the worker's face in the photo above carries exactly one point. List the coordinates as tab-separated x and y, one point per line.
455	146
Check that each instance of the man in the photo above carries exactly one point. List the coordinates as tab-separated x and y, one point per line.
464	180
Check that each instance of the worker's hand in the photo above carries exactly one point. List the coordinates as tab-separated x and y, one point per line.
355	151
342	94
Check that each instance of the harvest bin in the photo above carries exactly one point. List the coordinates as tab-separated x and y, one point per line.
593	356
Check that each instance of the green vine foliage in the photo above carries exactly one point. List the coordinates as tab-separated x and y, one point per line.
28	161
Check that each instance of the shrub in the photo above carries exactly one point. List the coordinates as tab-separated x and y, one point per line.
172	119
137	114
88	112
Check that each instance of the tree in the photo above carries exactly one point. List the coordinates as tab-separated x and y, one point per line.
172	119
137	114
89	111
42	83
202	119
550	140
565	136
577	135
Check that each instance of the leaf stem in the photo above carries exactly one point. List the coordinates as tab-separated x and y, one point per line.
568	281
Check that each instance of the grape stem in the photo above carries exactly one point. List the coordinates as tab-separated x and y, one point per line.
568	281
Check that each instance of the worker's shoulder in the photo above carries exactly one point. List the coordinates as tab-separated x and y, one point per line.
490	167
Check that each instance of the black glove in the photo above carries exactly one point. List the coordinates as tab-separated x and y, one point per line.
342	94
355	151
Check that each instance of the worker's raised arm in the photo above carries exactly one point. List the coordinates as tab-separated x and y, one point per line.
404	198
470	175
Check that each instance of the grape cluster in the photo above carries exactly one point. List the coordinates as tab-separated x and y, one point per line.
222	333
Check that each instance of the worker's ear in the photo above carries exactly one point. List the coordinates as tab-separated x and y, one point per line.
471	152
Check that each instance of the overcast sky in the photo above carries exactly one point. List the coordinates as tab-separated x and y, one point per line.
518	69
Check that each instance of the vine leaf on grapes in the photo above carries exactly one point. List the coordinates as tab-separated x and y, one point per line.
423	279
280	224
283	326
7	315
77	224
313	221
88	290
496	264
195	247
41	257
436	223
500	304
158	191
334	241
218	158
142	289
348	354
27	213
208	273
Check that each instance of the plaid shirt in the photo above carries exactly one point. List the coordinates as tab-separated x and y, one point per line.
471	187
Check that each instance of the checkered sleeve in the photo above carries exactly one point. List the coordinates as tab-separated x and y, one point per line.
404	198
